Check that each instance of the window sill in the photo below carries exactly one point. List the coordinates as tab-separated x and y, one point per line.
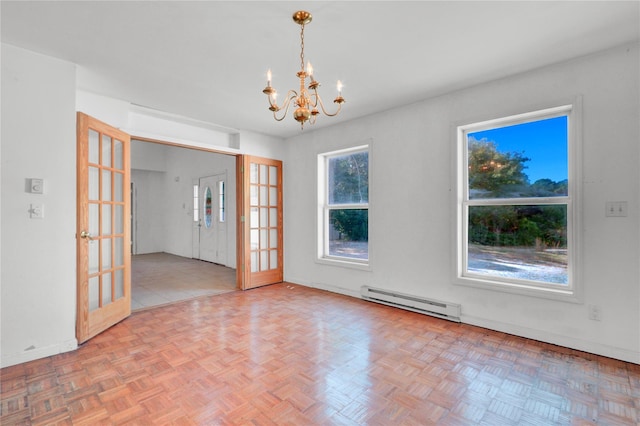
343	263
524	289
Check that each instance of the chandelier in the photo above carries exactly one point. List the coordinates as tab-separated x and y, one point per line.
307	99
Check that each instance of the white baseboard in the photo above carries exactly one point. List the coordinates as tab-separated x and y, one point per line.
37	353
334	289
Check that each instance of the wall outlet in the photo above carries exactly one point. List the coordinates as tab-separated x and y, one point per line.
595	313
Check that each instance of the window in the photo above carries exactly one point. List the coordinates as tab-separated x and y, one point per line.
196	203
343	216
221	206
515	227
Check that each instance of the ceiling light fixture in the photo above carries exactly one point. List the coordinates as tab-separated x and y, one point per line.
308	99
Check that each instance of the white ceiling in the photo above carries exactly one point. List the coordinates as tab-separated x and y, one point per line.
208	59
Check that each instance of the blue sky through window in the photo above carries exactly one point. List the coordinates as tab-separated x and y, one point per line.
543	141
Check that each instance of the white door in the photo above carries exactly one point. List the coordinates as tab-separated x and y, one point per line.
212	224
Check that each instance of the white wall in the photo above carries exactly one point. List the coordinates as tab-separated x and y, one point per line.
412	205
38	277
149	229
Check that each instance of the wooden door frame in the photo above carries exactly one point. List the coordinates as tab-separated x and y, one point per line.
242	273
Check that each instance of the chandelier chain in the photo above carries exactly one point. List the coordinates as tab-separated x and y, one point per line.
302	47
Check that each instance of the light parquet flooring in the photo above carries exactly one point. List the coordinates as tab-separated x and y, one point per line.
286	354
162	278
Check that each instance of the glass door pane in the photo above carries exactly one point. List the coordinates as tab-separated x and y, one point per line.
106	219
264	217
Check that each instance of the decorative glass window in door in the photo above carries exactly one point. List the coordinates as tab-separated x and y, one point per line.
207	207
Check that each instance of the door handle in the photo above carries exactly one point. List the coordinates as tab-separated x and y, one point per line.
85	234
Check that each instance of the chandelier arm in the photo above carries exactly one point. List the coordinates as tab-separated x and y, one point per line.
291	95
319	99
313	98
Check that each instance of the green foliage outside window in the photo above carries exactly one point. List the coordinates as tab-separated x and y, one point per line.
349	184
495	174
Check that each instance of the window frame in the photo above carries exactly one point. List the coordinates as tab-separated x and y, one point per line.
570	292
324	209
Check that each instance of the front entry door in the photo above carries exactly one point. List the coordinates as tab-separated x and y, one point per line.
103	227
212	226
260	256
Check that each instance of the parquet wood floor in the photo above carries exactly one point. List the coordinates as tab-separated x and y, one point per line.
287	354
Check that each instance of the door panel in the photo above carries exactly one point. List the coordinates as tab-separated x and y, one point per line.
212	226
260	222
103	227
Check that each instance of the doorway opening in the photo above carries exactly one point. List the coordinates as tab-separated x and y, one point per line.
181	247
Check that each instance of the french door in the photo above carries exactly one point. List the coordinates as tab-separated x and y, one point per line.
103	227
260	236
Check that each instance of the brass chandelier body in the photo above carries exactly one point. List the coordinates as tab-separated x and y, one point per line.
307	99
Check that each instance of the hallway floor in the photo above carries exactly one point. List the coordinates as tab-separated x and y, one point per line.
161	278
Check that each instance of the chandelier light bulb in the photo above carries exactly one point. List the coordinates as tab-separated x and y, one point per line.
310	70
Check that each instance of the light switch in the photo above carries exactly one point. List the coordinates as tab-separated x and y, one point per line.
616	209
36	211
36	186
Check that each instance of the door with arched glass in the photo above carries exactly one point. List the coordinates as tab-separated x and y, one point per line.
212	224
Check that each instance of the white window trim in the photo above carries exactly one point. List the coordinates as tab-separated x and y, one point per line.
322	240
573	291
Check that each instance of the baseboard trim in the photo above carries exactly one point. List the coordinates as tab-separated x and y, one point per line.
8	360
335	289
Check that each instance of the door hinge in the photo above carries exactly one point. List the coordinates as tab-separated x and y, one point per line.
241	218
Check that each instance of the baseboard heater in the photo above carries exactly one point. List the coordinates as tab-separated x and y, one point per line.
436	308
